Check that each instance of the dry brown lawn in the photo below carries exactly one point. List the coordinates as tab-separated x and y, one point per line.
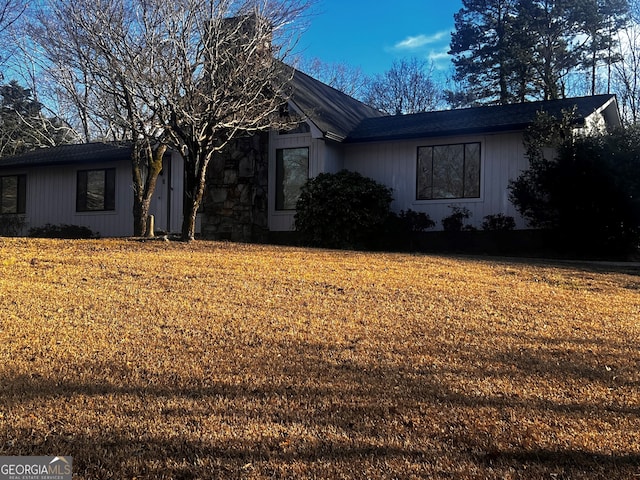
213	360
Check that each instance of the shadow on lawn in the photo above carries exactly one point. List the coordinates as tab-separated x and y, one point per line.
151	457
631	268
102	455
367	406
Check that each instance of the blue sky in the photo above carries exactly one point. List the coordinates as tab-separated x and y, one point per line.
371	34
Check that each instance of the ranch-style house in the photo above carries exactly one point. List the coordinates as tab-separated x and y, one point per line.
432	161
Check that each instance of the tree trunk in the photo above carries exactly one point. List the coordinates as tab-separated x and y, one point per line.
594	71
139	217
195	182
144	189
189	221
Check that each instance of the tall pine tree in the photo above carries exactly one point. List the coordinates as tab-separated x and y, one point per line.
481	48
554	27
509	51
601	21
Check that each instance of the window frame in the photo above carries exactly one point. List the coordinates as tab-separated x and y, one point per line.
464	173
21	194
108	193
278	195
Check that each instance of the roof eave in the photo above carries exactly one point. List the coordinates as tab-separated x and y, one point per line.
609	108
459	132
441	133
50	163
65	155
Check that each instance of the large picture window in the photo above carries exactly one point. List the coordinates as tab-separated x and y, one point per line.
449	171
96	190
13	194
292	172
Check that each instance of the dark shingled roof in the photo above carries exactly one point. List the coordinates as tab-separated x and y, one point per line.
343	118
485	119
333	112
70	155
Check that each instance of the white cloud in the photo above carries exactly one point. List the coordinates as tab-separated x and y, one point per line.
419	41
440	56
441	61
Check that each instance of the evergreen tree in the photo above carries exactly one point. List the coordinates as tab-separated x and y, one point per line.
516	50
23	126
553	24
602	20
587	193
482	48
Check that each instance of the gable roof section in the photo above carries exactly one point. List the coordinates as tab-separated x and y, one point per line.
485	119
74	154
334	113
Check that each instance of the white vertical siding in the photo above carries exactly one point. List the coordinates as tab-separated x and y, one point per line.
395	164
324	157
334	157
177	194
51	198
161	202
504	159
390	163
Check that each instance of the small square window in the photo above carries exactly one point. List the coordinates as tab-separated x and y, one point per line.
13	194
96	190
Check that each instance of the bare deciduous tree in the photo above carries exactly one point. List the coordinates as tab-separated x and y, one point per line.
408	87
10	12
626	73
99	54
229	80
341	76
190	75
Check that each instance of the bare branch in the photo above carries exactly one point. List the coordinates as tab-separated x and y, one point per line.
189	74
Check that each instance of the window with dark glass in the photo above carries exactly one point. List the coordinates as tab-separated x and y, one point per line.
13	194
292	172
449	171
96	190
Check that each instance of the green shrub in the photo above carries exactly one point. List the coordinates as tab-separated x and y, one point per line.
404	231
455	221
588	194
413	222
11	225
498	223
62	231
342	210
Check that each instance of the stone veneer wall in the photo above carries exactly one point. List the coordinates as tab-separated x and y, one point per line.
235	205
